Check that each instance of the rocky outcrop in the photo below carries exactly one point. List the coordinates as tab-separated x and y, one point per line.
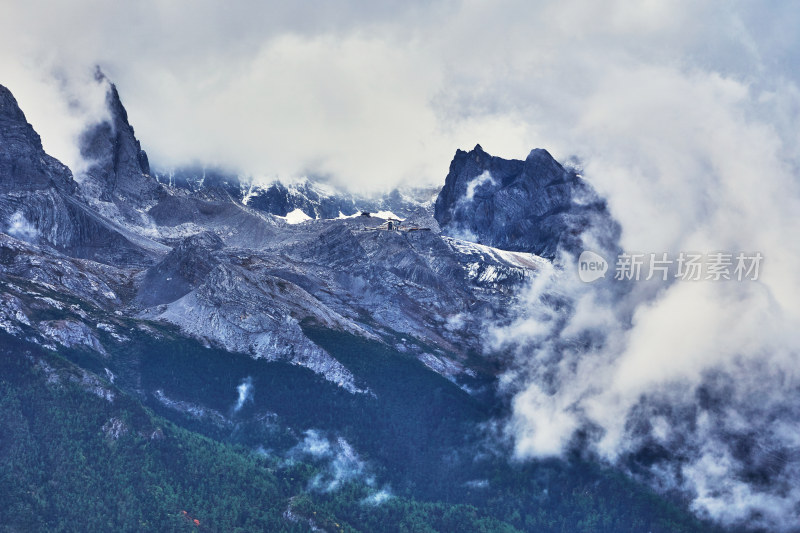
24	165
535	205
39	202
247	310
50	217
71	334
425	294
184	268
119	171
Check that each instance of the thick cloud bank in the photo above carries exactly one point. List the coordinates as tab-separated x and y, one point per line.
691	385
375	96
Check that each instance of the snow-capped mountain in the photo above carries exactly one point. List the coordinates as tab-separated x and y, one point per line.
314	199
246	266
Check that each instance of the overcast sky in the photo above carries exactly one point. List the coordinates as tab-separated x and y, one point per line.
379	95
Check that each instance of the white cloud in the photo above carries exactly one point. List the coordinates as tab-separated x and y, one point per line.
485	178
373	96
19	227
244	391
694	161
340	464
379	497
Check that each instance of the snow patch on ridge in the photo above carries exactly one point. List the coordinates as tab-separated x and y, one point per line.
379	214
485	254
296	217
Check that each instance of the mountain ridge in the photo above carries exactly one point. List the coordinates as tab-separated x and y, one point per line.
182	296
535	205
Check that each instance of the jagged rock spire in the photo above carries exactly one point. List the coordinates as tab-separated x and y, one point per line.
120	169
535	205
23	163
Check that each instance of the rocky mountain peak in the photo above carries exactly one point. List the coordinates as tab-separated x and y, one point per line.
24	166
182	269
9	109
535	205
120	168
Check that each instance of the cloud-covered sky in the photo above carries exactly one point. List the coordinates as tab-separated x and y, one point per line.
683	114
383	94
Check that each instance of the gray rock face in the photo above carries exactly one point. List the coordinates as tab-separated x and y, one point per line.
51	217
39	201
97	284
120	170
70	334
184	267
178	215
534	206
249	311
349	275
24	166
